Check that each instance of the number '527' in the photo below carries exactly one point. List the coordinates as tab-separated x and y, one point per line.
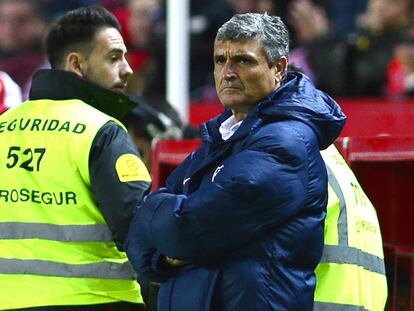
28	159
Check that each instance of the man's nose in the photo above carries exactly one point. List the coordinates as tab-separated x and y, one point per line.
228	71
126	69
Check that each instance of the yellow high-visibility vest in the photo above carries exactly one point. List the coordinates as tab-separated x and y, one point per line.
55	246
351	274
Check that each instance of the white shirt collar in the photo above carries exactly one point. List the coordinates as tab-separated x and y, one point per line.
228	127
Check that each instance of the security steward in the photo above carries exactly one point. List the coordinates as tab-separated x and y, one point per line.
351	274
71	176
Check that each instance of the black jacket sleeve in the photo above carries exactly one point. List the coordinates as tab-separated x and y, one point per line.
115	195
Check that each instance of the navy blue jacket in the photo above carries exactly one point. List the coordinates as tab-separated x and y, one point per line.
247	213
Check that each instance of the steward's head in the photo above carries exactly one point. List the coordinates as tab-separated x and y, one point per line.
87	42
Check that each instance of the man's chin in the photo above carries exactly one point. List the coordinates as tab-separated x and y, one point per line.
231	101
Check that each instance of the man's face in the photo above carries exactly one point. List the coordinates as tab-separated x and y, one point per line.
242	74
106	64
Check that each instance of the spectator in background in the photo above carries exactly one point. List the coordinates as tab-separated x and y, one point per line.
143	27
400	70
340	13
22	26
343	15
355	66
10	93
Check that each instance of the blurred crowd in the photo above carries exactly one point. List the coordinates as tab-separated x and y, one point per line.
348	48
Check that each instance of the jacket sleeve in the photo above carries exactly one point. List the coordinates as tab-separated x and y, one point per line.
116	196
256	190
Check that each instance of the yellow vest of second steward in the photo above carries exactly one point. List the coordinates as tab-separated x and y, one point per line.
55	246
351	274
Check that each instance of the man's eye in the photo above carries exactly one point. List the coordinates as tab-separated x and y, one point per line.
220	60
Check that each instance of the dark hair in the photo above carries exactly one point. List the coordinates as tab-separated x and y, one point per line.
75	30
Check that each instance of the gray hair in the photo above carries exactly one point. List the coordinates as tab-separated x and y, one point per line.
269	30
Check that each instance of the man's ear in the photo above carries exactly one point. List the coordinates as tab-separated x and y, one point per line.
75	63
280	68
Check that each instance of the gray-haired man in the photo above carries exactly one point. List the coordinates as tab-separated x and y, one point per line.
245	211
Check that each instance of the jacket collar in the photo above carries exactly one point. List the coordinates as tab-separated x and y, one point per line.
297	99
209	131
61	85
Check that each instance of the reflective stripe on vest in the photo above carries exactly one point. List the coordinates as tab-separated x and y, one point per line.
101	270
342	220
344	254
352	256
63	233
327	306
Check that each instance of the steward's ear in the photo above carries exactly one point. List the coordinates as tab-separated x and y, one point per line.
75	63
280	69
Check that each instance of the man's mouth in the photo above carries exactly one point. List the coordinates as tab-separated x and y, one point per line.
230	88
119	87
